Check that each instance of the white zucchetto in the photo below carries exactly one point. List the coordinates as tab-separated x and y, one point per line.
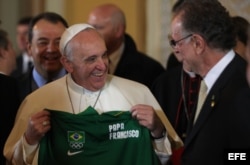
70	32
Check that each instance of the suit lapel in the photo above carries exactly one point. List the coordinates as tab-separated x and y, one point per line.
211	100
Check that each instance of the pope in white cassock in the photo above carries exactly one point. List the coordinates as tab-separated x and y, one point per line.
84	56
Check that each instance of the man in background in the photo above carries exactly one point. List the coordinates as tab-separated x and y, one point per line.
241	28
44	35
241	130
125	60
24	61
9	100
176	90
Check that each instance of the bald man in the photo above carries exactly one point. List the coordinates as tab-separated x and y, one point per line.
125	60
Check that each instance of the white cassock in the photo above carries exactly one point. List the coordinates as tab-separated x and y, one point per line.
65	95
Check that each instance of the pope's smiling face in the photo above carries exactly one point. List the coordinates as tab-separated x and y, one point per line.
89	63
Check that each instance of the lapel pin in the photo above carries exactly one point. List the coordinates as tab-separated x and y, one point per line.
213	102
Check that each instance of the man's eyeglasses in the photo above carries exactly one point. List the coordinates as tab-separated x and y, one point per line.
173	43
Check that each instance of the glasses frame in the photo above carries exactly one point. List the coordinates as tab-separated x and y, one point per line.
174	43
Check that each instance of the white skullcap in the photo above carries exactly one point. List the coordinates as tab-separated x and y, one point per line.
70	32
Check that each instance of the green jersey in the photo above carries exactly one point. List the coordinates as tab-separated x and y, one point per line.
88	138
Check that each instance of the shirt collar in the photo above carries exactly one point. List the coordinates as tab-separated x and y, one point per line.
26	57
217	69
115	58
40	80
26	60
1	72
191	74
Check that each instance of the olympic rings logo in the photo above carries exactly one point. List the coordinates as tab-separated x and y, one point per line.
76	145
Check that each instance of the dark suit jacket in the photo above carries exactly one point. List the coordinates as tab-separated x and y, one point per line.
25	83
9	103
241	122
18	72
208	138
19	67
172	62
137	66
168	89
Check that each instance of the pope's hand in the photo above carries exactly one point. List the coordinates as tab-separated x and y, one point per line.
148	118
38	125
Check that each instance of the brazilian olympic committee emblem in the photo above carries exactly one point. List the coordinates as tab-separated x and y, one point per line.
76	139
